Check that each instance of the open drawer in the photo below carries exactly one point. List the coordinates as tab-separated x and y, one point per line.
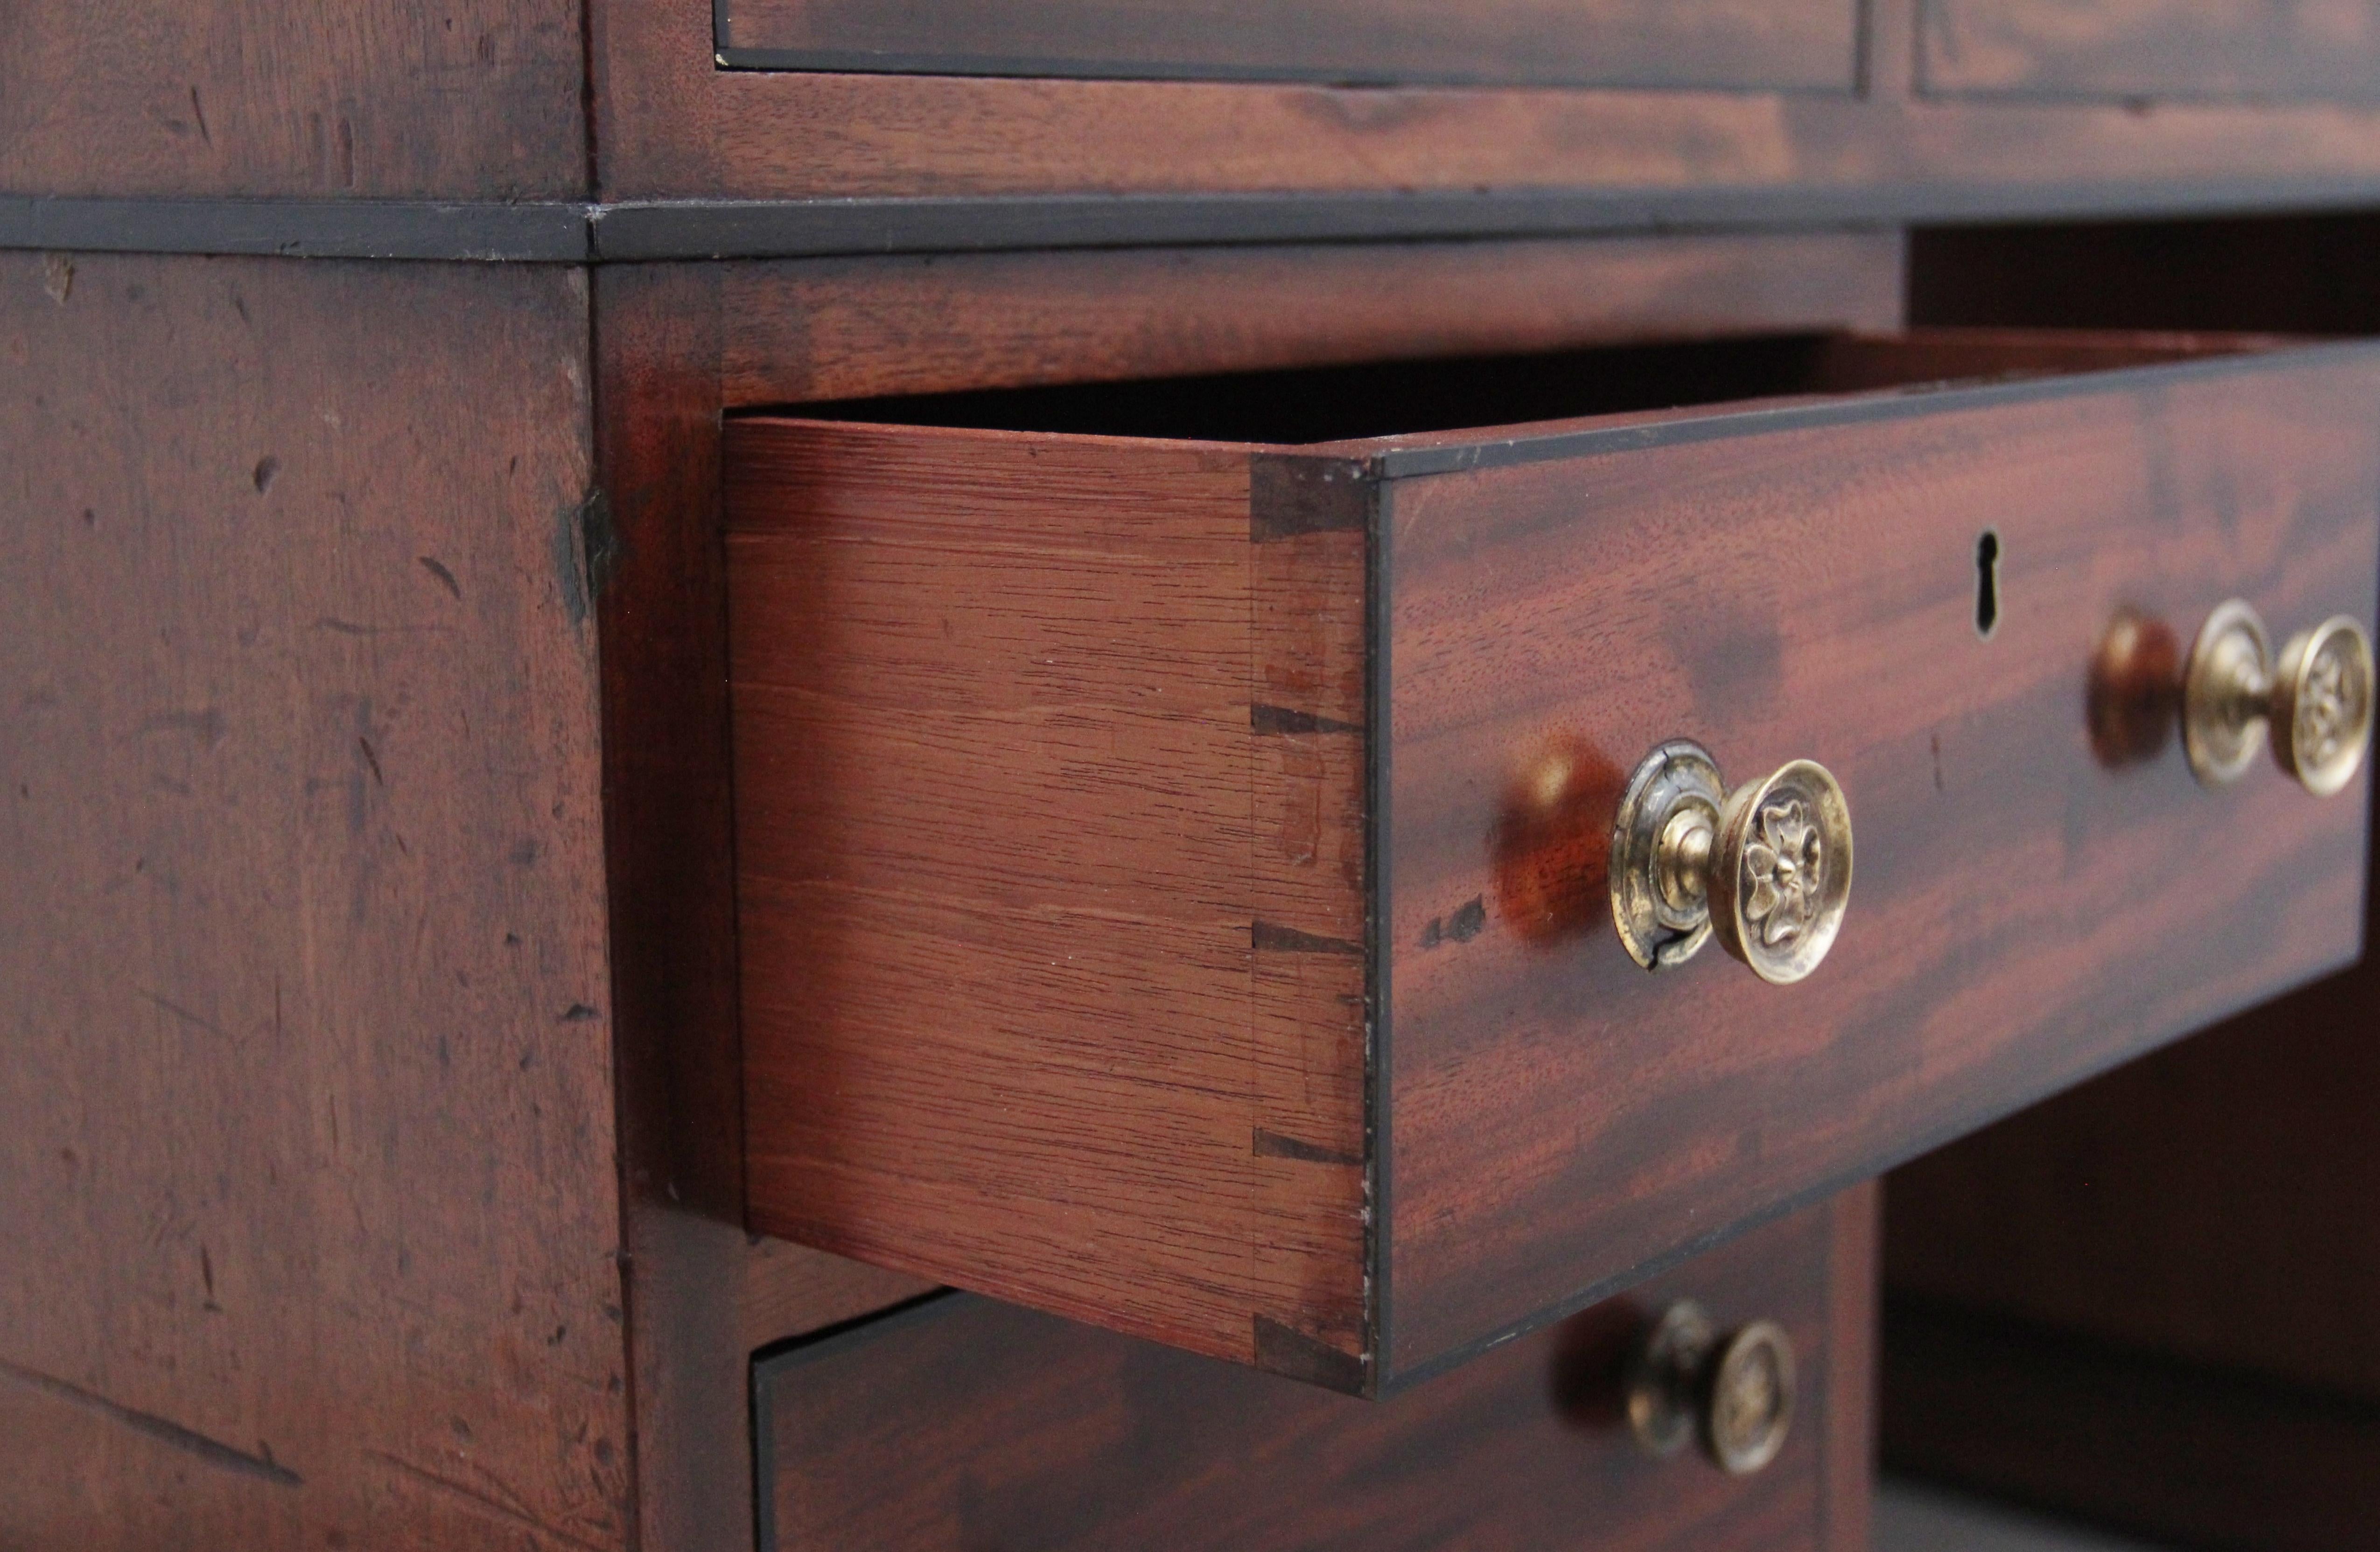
1177	821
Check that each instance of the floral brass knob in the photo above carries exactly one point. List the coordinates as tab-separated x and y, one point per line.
1766	869
2315	708
1735	1394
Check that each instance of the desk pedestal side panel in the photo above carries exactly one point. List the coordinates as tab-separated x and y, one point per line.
306	1118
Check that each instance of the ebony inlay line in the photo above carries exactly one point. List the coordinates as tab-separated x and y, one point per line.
582	232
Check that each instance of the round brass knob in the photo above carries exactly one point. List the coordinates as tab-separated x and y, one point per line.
1766	869
1733	1394
2322	697
2315	709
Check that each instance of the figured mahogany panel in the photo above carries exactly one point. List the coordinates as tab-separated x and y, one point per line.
1057	874
306	1118
1742	44
669	124
465	100
847	329
969	1424
1806	586
2209	1205
2129	50
676	341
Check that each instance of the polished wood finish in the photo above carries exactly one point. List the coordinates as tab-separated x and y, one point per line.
1142	1022
1026	850
2211	1205
969	1423
847	329
310	1199
468	100
2138	50
1749	44
2170	1272
676	342
2183	1454
669	125
1812	593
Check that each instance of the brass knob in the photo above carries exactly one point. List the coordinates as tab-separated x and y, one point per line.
1735	1394
2319	700
1766	868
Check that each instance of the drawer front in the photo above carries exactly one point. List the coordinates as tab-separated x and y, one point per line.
1781	44
2112	50
1152	906
1805	585
969	1423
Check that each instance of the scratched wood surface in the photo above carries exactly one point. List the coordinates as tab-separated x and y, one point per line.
1801	44
470	100
970	1424
2136	50
308	1132
995	849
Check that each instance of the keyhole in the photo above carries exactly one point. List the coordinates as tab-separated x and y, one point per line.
1987	584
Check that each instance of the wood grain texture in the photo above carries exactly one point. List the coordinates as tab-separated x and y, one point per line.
2128	1438
1851	1361
675	341
967	1424
1110	1064
1804	45
470	100
310	1199
2151	1300
2210	1204
702	1293
668	125
1559	1118
2114	50
859	327
995	849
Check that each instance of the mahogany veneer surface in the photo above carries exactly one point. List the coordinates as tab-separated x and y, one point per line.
2113	50
967	1424
466	100
310	1191
673	342
1130	924
1797	44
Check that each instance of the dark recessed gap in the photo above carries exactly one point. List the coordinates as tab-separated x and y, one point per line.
1987	584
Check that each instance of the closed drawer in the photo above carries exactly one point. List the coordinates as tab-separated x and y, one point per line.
966	1424
1777	45
2115	50
1174	873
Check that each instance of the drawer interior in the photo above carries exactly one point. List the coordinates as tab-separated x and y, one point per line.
1405	399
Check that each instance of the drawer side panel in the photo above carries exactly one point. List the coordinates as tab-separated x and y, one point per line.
1050	806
